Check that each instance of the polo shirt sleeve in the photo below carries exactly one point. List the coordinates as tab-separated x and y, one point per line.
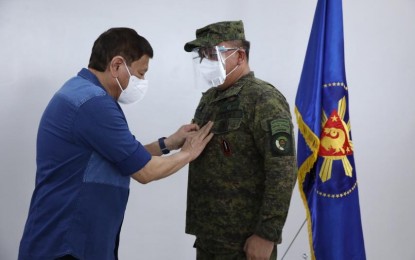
101	126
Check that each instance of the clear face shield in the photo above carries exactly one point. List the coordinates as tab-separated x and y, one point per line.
209	66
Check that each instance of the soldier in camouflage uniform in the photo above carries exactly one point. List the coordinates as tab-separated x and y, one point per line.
239	189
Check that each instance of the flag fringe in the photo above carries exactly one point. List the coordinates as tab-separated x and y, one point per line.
310	234
313	142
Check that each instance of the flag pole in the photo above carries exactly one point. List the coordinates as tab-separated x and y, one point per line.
295	237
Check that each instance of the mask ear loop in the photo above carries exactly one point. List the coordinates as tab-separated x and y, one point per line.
126	67
128	71
237	66
122	90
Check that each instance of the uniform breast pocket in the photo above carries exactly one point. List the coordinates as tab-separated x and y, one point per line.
227	121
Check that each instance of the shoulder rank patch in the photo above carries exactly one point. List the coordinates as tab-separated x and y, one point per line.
281	138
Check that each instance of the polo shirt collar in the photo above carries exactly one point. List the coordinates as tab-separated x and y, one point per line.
88	75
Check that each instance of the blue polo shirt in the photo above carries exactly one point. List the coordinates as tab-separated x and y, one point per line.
85	157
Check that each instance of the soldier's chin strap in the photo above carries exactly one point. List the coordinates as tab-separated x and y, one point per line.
286	251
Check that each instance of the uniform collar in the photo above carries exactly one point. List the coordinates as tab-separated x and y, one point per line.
234	89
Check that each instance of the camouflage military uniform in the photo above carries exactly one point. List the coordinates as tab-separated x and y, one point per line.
243	181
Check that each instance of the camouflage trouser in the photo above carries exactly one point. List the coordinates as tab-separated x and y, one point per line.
203	255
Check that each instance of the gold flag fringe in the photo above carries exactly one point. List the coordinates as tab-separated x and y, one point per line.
313	143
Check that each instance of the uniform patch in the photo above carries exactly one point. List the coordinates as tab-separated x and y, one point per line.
281	138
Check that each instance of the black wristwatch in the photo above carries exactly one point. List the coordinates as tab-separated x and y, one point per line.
163	147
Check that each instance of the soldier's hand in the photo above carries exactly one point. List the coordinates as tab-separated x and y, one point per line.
196	141
258	248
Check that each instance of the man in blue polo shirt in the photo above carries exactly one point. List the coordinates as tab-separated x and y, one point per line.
86	154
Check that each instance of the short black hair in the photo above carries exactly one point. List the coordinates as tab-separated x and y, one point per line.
122	41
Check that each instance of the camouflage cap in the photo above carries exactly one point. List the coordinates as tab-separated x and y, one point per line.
215	33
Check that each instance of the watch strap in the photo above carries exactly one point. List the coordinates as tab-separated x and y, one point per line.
162	145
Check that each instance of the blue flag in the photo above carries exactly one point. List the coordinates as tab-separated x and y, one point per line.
327	172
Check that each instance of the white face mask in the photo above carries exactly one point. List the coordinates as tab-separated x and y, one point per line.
135	90
213	71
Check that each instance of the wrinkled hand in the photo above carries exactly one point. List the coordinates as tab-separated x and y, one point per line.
196	141
176	140
258	248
